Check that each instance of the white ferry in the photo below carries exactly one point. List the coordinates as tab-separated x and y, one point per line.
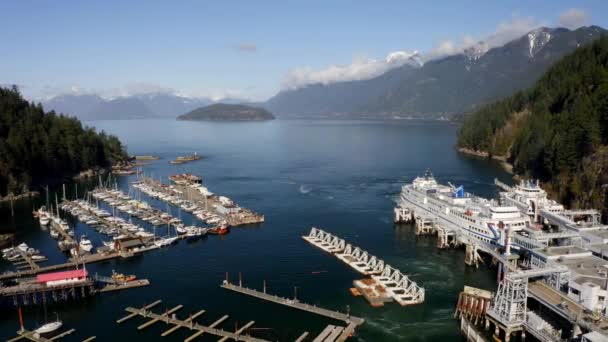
471	216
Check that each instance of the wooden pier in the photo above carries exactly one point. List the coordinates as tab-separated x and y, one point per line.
124	285
351	321
88	259
169	317
25	334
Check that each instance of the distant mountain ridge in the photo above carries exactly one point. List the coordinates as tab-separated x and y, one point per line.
227	112
152	105
442	87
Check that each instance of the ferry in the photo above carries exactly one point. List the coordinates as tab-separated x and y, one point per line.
473	217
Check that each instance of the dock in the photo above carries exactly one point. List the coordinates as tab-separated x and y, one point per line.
32	336
398	285
331	335
212	205
169	318
124	285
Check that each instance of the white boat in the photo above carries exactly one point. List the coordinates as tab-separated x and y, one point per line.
181	229
49	327
23	247
38	257
165	241
44	219
110	244
85	244
213	220
54	234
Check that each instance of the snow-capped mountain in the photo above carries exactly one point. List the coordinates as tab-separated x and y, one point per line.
537	39
445	86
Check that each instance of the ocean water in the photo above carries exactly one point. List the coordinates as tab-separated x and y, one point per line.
342	176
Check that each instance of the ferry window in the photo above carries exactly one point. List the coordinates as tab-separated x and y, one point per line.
574	291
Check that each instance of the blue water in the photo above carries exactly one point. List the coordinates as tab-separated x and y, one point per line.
342	176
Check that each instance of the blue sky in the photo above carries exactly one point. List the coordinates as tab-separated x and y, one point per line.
247	49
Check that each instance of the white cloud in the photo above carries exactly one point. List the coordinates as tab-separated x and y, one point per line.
247	47
138	88
360	69
504	33
573	18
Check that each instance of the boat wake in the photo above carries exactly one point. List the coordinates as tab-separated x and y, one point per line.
304	189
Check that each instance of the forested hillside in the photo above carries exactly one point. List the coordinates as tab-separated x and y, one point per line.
557	130
36	146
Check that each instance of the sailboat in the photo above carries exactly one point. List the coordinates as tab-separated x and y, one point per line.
48	326
166	241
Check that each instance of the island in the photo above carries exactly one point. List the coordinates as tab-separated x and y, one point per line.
227	112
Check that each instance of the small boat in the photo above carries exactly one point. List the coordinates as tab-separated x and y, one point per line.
110	244
54	234
44	220
38	257
165	241
49	327
181	229
85	244
121	278
219	230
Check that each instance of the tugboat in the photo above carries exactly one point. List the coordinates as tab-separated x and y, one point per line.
222	229
121	278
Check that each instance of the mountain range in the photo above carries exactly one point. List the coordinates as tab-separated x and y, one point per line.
439	88
153	105
442	87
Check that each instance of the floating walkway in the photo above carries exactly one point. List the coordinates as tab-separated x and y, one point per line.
169	318
327	335
403	290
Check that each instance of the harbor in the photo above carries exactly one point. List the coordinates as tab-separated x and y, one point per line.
359	213
547	257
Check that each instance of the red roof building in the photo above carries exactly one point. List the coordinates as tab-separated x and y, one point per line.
62	276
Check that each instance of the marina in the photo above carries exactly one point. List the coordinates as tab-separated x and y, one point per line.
360	210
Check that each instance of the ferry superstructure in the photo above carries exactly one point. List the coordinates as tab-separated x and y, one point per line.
530	199
473	217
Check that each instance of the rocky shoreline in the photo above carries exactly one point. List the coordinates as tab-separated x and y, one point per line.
483	154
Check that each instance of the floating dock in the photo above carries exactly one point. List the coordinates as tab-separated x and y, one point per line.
219	206
398	286
328	335
169	318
